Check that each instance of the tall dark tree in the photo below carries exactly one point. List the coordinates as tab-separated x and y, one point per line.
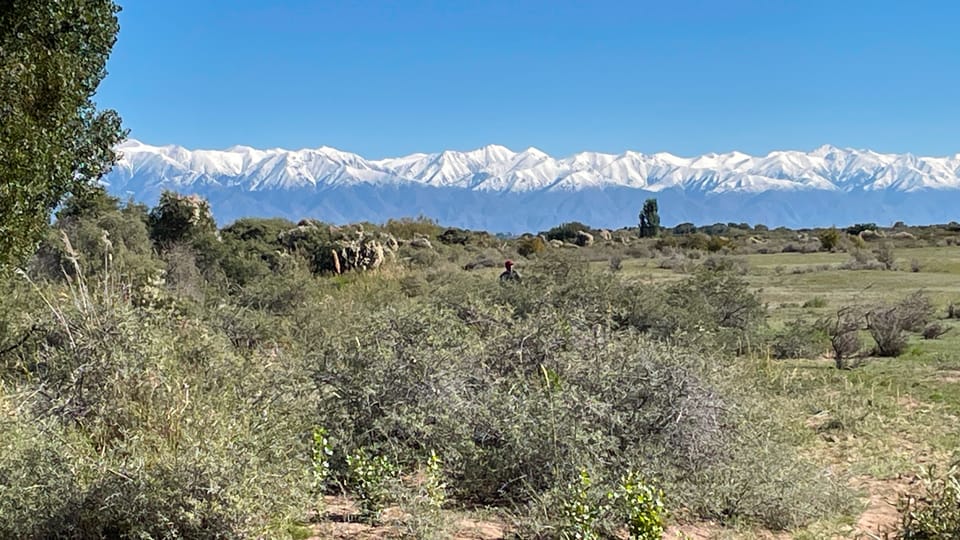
53	140
649	219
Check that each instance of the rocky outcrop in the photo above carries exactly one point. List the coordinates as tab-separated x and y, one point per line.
584	239
605	235
339	250
421	242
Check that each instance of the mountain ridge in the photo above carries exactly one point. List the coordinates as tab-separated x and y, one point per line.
508	183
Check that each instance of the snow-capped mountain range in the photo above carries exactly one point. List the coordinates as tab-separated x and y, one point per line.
499	189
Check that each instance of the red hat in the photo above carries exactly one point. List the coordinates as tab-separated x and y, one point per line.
508	263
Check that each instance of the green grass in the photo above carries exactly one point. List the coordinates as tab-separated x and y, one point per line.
888	416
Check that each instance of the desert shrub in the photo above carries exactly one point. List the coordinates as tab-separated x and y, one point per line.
678	262
136	423
409	228
695	241
638	251
454	236
529	247
886	256
915	265
829	239
843	329
418	257
716	243
934	330
935	511
799	339
888	324
718	263
717	300
953	310
815	302
615	263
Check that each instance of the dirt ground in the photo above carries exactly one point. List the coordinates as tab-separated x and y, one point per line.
879	516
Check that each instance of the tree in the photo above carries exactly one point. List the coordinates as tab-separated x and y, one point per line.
53	140
180	219
649	219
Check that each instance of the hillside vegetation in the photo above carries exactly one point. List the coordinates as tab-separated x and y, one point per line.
163	378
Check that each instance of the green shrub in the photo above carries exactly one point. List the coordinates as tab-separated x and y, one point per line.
566	232
829	239
643	507
799	339
529	247
136	423
373	481
935	512
409	228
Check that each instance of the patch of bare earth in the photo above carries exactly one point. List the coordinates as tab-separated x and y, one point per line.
341	521
948	375
471	529
692	531
881	515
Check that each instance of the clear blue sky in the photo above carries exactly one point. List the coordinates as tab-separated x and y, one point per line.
389	78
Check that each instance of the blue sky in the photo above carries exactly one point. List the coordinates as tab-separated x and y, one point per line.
390	78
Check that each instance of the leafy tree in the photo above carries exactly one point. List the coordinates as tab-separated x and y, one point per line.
53	140
103	234
178	218
566	232
649	219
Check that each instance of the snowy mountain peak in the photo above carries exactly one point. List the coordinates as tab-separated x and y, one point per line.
497	168
499	189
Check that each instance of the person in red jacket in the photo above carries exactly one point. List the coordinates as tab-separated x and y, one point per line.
509	274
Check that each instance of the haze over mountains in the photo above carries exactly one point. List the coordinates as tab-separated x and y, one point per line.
498	189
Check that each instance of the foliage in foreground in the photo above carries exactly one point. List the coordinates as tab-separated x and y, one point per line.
53	140
219	388
133	422
936	512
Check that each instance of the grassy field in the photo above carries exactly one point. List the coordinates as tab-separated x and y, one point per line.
880	423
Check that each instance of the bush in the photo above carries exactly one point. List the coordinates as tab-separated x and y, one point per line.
454	236
934	331
799	339
888	324
530	247
566	232
843	329
409	228
829	239
935	512
140	423
886	256
858	228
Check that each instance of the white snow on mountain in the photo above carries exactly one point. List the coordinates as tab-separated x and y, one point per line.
499	169
496	188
